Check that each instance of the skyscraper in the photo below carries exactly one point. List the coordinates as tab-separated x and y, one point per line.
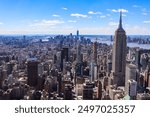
79	60
119	55
131	74
32	71
78	51
95	52
77	33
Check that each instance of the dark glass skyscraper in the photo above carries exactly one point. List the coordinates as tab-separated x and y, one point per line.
32	72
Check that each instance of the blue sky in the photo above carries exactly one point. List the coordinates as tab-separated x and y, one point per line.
66	16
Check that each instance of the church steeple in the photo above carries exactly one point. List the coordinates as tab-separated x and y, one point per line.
120	21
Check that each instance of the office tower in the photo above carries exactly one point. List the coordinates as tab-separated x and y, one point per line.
64	57
132	88
94	67
147	78
95	60
99	89
92	71
1	77
95	52
138	57
68	92
131	74
105	82
109	66
144	61
78	34
59	80
9	68
65	54
78	52
88	91
119	55
95	72
32	71
79	60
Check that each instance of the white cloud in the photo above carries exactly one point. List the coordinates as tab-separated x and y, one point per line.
47	23
55	15
146	22
94	13
119	10
1	23
72	21
144	14
103	16
113	23
79	15
64	8
136	6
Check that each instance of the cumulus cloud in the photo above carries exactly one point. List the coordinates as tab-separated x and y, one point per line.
119	10
102	16
47	23
1	23
94	13
55	15
136	6
78	15
146	22
72	21
144	14
64	8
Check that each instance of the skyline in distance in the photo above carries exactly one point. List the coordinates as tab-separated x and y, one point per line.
63	17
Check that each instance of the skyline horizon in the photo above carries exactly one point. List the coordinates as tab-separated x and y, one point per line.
74	34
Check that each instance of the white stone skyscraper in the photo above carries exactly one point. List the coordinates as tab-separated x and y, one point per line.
119	55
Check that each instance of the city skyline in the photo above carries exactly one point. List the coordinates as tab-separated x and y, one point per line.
67	67
64	17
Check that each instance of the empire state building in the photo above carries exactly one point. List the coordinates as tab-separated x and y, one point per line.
119	55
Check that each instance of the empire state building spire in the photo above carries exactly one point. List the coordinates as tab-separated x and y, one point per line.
120	21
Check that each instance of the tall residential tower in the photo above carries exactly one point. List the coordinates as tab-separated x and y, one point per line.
119	55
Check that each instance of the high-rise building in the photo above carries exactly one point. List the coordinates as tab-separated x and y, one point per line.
88	91
132	88
64	57
32	71
79	60
94	67
95	52
59	80
1	77
77	33
68	95
65	54
119	55
79	52
131	74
